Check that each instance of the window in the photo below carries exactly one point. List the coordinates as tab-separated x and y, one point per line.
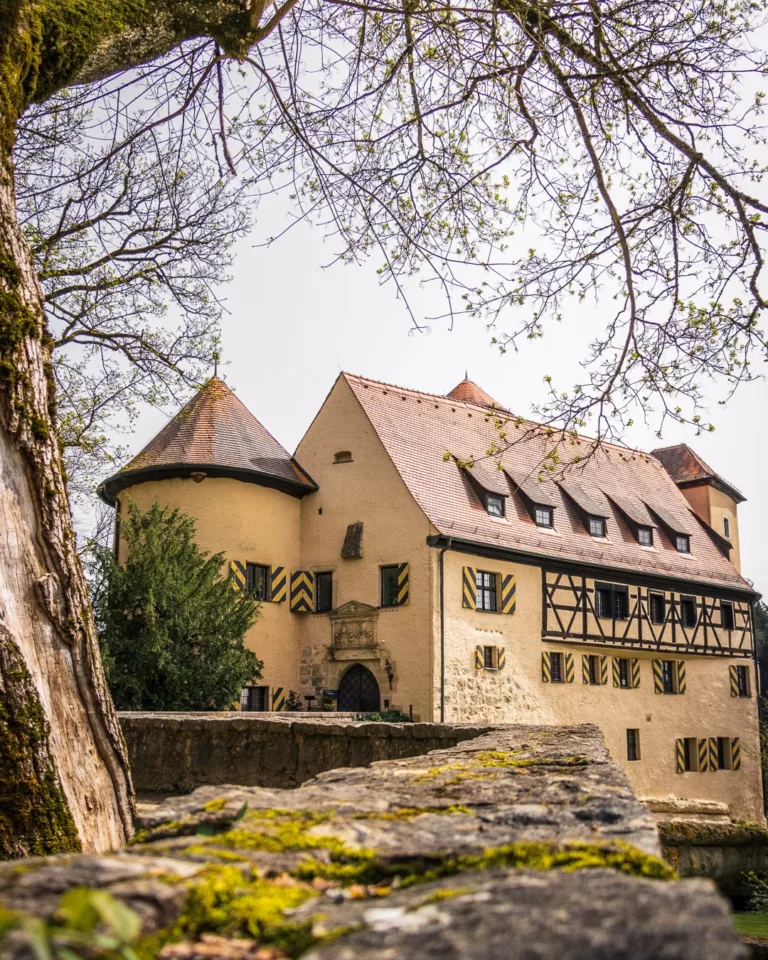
593	665
726	528
343	456
489	658
668	683
612	601
690	755
494	504
742	681
688	611
683	543
645	536
485	593
323	592
257	580
543	516
624	678
726	615
254	699
556	667
658	607
596	527
389	586
724	753
633	744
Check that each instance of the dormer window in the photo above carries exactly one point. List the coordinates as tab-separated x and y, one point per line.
645	536
683	543
597	527
494	504
543	516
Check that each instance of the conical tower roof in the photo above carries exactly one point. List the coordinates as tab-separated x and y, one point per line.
215	434
469	392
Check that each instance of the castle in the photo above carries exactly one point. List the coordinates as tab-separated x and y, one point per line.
394	576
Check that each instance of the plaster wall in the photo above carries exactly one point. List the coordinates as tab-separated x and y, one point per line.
517	694
367	489
712	505
252	524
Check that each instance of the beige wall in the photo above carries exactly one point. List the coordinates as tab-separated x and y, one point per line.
249	523
518	694
712	505
369	490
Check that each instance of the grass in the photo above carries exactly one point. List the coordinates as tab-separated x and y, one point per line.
751	924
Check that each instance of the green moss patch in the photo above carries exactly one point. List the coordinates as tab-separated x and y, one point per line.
693	833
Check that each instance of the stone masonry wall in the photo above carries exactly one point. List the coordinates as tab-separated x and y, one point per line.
525	843
175	753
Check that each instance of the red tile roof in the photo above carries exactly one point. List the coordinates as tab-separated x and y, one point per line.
469	392
686	468
217	434
418	428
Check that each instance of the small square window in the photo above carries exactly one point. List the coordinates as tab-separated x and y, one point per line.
494	505
645	536
624	673
726	528
612	601
668	676
690	755
254	699
257	580
485	591
724	758
596	527
742	680
688	613
556	667
389	586
543	516
726	615
323	592
683	543
658	607
633	744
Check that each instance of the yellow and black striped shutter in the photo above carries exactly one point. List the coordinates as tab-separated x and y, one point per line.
734	680
680	756
479	658
278	698
403	583
569	671
302	591
585	668
237	574
546	671
735	753
278	585
635	673
603	670
508	594
681	676
713	764
658	679
468	588
501	658
616	672
703	746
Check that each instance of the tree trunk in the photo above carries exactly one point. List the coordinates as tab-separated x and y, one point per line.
64	777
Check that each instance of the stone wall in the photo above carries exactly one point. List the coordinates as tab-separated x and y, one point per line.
723	852
175	753
527	842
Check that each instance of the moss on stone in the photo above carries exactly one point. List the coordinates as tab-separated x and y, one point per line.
508	759
213	805
695	833
409	813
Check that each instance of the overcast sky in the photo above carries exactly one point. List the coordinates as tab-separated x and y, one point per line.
293	324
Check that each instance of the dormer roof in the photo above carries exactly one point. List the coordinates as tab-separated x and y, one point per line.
217	435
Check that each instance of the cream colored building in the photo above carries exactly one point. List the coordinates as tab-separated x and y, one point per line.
402	568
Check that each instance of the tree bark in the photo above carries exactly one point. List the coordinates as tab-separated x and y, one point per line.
64	777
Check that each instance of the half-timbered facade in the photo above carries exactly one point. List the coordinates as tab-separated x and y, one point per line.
400	567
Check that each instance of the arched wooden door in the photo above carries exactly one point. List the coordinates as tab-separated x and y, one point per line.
358	691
